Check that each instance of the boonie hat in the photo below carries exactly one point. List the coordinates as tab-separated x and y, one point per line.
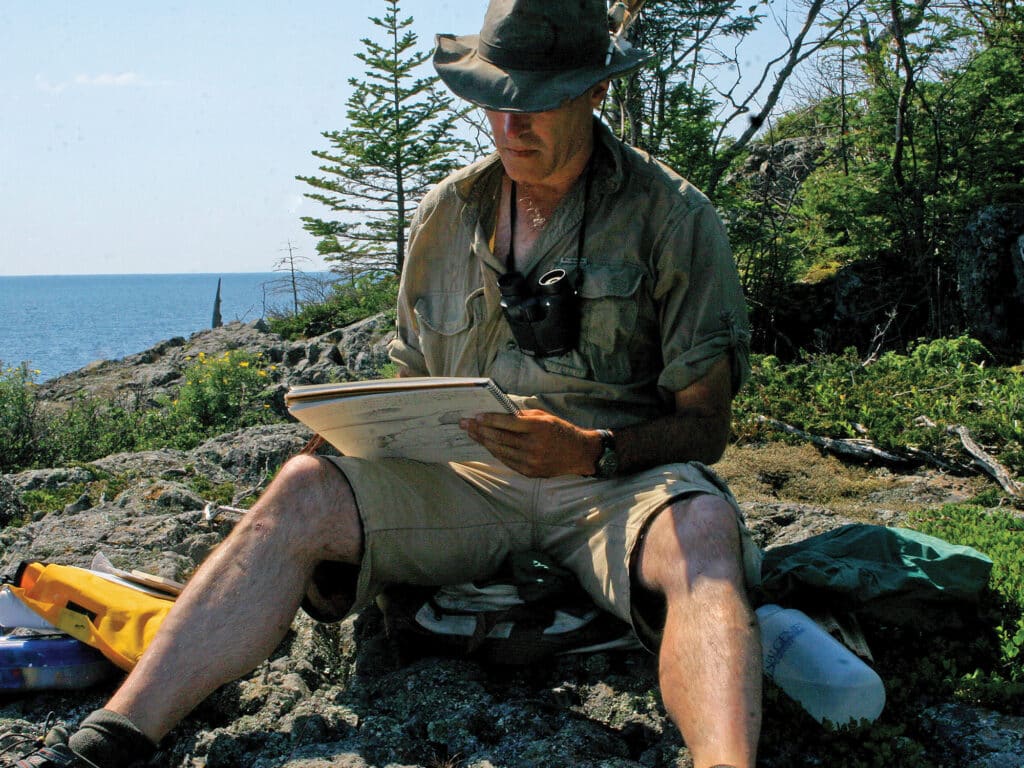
534	55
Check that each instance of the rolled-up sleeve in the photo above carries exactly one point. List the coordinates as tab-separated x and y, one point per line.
703	311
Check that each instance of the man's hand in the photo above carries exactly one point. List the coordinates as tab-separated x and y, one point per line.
535	443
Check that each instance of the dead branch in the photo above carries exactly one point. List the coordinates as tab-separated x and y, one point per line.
860	450
867	451
985	461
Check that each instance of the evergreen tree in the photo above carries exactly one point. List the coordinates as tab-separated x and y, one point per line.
399	142
919	111
693	101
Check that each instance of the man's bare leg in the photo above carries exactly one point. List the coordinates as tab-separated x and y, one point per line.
710	659
239	604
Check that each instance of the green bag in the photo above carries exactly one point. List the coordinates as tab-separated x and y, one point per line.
890	575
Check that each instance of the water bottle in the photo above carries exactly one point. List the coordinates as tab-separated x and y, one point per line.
816	670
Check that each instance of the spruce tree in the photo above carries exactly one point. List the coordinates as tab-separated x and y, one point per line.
400	140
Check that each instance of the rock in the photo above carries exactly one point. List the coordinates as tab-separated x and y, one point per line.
334	696
989	256
252	454
11	507
82	503
356	351
778	169
976	738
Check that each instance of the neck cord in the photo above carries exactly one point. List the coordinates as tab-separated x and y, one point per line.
510	262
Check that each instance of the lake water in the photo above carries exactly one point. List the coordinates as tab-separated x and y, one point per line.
60	323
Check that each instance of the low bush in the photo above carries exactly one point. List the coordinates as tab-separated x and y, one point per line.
19	420
219	394
348	303
897	401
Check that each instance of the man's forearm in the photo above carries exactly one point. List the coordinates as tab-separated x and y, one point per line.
698	430
675	438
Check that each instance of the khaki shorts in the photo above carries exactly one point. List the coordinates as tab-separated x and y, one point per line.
429	525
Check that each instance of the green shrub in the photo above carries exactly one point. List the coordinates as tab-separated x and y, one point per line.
221	493
348	303
18	417
946	381
220	394
998	534
90	429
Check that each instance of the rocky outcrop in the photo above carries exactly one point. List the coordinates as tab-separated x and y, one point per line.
989	257
341	695
353	352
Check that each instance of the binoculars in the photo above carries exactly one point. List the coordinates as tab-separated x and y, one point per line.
545	319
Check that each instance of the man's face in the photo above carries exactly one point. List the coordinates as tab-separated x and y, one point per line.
540	148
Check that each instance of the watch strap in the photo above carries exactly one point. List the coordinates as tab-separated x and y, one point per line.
608	462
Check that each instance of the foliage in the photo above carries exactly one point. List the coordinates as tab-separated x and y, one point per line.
400	141
221	394
689	129
18	416
91	428
978	658
920	110
347	303
946	381
703	67
995	532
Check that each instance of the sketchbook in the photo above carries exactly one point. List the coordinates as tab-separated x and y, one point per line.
413	418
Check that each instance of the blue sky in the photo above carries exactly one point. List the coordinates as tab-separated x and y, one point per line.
142	137
165	137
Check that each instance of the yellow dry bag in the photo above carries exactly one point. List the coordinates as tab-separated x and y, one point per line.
111	616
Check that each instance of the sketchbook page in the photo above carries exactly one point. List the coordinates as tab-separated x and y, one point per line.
420	424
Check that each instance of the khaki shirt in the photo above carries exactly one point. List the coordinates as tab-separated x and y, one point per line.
660	296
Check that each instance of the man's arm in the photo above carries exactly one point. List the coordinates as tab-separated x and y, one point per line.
539	444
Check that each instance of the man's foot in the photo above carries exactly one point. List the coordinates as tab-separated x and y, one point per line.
50	751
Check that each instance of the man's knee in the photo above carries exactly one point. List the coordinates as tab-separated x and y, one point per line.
694	538
309	474
311	501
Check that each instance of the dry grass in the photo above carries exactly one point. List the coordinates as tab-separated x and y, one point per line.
780	472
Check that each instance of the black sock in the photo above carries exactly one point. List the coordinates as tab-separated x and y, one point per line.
110	740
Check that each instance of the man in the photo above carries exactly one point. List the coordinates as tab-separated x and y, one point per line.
622	394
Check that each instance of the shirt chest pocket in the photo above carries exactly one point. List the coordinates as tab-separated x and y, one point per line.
609	305
448	329
609	310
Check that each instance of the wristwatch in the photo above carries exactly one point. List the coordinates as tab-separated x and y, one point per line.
608	462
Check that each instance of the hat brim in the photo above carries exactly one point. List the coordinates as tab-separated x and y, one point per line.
472	78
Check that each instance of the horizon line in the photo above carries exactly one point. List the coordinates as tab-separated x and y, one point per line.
159	274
